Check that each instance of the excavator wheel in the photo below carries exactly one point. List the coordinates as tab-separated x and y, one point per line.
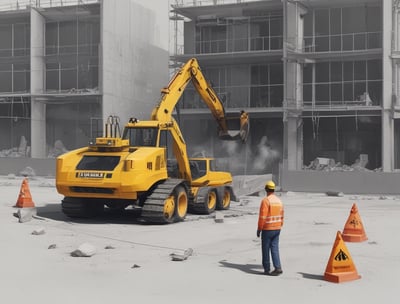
176	205
169	209
224	202
181	203
207	203
211	202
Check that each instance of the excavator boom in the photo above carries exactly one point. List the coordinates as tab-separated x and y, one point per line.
171	94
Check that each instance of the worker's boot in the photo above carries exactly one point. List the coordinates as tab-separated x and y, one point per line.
276	272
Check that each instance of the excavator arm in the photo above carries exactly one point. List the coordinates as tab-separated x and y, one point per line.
171	94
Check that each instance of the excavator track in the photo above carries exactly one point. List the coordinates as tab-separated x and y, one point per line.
153	208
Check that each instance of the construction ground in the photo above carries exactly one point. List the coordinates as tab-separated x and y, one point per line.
132	261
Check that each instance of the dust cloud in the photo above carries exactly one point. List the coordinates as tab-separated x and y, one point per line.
249	158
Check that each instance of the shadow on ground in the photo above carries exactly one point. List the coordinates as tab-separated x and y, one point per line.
53	212
248	268
312	276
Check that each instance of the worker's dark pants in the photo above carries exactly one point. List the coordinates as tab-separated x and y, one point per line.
270	243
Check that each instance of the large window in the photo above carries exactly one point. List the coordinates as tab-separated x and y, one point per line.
21	39
221	35
79	38
14	77
343	29
242	86
343	82
266	85
73	37
211	39
21	77
344	139
6	40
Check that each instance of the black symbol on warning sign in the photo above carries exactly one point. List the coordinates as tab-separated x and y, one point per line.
355	222
341	256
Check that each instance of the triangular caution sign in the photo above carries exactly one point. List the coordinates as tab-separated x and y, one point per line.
340	266
24	198
353	229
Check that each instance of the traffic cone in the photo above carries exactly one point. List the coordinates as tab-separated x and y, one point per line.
340	266
353	229
24	198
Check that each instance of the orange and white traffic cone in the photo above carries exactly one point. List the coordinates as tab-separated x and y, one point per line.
340	266
24	198
353	229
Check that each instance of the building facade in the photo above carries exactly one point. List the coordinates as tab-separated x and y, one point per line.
319	78
65	66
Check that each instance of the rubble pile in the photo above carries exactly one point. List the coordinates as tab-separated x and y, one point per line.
23	150
57	150
329	164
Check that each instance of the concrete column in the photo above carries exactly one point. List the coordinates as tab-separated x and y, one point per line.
387	90
38	109
293	86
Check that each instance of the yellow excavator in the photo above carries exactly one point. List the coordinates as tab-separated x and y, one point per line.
147	167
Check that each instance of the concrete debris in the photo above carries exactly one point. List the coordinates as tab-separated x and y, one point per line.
26	214
23	146
181	257
27	172
219	217
57	150
335	193
38	231
249	184
244	202
23	150
329	164
84	250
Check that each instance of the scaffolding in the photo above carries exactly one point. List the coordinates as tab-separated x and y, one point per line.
27	4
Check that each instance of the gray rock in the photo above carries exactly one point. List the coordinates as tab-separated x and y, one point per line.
181	257
28	171
26	214
219	217
334	193
84	250
38	231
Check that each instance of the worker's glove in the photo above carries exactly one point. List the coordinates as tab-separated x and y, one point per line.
258	233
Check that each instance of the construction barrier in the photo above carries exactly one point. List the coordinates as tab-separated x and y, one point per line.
353	229
340	267
24	198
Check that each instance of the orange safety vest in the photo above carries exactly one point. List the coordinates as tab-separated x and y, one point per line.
271	213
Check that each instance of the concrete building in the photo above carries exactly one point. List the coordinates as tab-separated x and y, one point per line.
66	65
319	78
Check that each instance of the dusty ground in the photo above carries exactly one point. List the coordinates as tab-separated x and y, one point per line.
226	263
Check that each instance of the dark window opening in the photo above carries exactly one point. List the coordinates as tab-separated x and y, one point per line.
98	163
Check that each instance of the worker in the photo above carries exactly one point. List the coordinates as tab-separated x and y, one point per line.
270	222
244	125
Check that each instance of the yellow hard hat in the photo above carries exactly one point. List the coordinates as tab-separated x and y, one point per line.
270	185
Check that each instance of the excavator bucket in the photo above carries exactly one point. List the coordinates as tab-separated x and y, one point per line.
240	134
